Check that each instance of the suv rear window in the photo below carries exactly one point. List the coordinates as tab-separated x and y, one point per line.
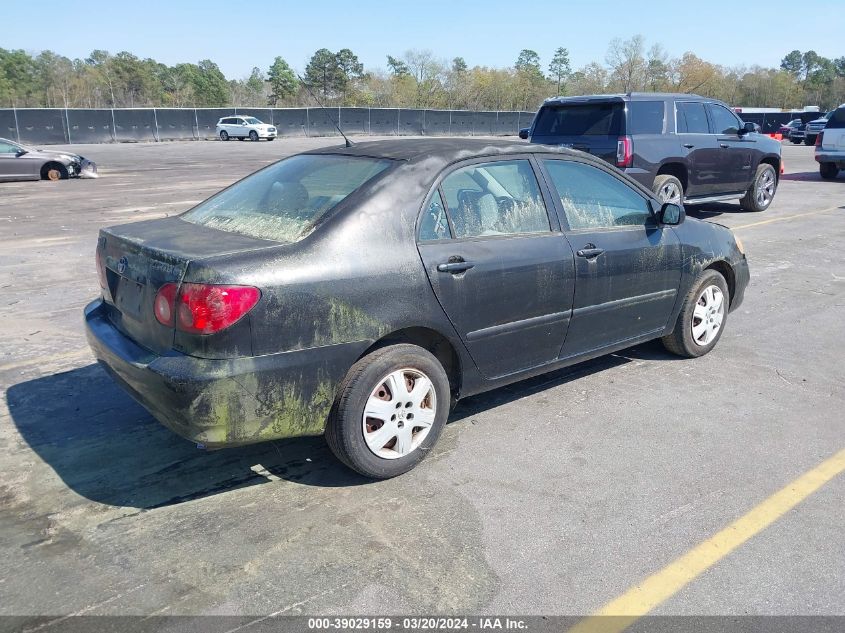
837	120
284	201
587	119
646	117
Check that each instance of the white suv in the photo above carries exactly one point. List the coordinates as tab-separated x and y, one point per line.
830	145
241	127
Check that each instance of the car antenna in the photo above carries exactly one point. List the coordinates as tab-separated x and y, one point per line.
319	103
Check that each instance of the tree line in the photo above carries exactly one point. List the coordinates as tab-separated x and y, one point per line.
413	79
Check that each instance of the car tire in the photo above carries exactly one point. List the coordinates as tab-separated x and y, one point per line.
54	172
795	141
253	135
809	141
828	171
354	438
689	339
762	190
224	135
240	138
668	189
271	138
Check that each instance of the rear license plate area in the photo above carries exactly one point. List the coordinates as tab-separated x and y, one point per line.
129	297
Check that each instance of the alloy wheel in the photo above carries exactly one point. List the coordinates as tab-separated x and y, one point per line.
765	188
669	192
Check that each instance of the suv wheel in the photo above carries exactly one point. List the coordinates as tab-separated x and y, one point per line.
809	140
762	191
253	135
828	171
668	189
389	412
224	135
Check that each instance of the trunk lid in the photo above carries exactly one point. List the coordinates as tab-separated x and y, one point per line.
140	258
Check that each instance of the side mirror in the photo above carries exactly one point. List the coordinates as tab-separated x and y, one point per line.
671	214
21	152
748	128
523	133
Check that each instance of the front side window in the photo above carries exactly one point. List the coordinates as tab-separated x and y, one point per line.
593	199
253	121
8	148
691	118
284	201
724	121
499	198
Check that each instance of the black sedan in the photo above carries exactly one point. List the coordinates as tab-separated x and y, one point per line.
360	291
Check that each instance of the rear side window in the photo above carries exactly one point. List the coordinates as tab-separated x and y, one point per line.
692	118
284	201
646	117
501	198
593	199
724	121
589	119
837	120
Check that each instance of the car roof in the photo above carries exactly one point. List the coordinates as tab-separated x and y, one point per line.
446	149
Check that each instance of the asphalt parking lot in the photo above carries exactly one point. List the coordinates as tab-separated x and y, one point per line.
553	496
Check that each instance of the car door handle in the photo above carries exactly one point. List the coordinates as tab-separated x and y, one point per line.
454	267
689	145
590	251
724	145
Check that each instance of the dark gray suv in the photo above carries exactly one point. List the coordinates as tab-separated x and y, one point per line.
685	148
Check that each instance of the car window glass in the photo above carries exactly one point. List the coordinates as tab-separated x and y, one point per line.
284	201
593	119
6	148
253	121
691	118
837	120
497	198
592	198
724	122
434	225
646	117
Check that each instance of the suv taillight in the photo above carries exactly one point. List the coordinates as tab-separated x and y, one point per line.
624	152
819	139
203	308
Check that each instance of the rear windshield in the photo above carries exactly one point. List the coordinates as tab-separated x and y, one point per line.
284	201
837	120
588	119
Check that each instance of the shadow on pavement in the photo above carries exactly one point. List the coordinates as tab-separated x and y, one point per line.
107	448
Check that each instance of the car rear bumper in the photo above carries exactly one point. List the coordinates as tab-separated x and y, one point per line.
830	156
226	402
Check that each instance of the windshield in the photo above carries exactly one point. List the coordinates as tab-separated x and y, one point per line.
284	201
253	121
589	119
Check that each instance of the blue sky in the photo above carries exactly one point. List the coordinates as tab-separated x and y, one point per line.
490	32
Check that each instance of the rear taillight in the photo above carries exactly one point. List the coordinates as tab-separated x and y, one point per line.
819	139
624	152
101	270
203	308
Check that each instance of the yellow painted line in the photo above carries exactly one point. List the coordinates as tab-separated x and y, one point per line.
620	613
786	217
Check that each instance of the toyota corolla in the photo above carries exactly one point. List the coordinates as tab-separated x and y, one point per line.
359	292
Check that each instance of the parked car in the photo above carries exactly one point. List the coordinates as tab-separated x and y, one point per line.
793	131
685	148
359	291
20	162
815	126
241	127
830	145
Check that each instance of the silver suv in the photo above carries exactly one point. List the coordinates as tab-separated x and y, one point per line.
830	148
241	127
